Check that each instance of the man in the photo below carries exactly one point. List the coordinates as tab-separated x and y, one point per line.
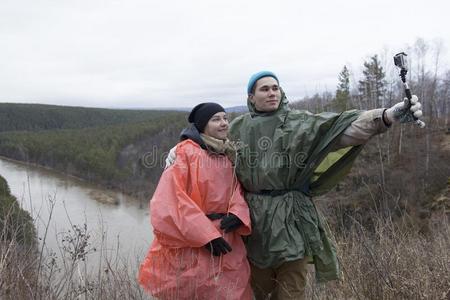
284	158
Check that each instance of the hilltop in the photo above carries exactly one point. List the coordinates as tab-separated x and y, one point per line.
35	117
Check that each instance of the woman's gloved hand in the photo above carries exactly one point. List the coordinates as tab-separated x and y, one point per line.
230	223
218	247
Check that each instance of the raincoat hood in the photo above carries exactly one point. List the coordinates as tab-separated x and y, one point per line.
193	134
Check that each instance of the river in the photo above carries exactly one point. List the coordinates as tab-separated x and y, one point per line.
58	202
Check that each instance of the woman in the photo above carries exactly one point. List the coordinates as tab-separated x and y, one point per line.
198	215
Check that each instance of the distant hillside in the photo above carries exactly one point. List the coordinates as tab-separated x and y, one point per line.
237	109
125	156
123	149
15	116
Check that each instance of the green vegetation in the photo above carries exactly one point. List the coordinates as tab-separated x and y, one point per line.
341	102
34	117
15	223
111	155
372	86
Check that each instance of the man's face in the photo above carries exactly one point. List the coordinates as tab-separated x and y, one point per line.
267	95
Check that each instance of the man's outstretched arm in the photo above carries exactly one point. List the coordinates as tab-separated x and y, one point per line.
375	121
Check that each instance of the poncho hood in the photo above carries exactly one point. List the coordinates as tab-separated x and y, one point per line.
193	134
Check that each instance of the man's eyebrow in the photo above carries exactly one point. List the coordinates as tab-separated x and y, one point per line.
268	85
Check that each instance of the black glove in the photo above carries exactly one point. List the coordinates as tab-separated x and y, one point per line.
215	216
230	223
218	246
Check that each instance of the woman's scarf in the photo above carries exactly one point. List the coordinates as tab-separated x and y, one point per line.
220	146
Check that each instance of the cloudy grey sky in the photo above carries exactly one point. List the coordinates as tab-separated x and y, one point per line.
175	53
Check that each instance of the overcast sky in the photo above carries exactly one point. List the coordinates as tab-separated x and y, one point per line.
175	53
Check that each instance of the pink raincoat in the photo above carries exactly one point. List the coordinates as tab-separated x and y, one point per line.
177	265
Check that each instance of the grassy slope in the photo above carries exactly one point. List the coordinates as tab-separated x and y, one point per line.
15	223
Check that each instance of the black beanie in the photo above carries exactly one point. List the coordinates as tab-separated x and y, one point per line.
201	114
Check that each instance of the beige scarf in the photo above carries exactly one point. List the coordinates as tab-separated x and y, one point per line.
220	146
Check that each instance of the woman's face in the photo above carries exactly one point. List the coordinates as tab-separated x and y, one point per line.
217	126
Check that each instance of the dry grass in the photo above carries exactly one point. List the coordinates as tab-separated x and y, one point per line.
393	262
382	260
23	278
29	271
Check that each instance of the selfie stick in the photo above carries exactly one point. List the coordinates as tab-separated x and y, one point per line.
399	61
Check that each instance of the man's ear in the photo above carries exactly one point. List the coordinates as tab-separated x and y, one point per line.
250	97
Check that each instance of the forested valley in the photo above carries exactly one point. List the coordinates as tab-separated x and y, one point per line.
118	149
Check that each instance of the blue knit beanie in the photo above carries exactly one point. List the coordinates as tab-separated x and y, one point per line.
257	76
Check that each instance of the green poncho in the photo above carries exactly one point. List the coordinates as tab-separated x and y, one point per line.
284	157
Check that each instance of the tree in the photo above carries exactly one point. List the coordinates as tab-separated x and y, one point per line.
342	100
373	85
445	95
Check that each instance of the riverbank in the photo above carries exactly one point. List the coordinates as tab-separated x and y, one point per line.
15	223
99	194
29	271
80	241
75	201
18	244
43	168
